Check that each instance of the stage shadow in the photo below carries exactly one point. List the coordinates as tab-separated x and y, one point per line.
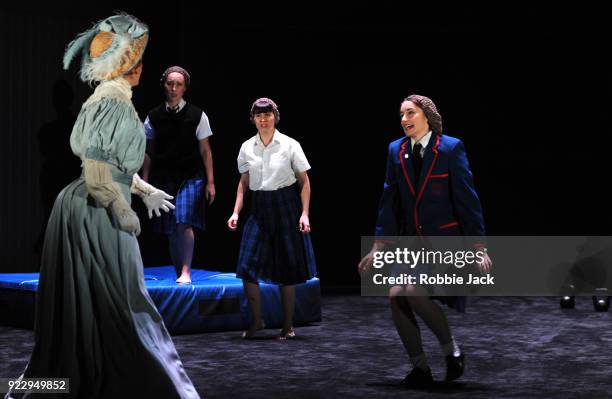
59	165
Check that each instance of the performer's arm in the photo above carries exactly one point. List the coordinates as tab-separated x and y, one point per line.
206	154
100	185
467	204
146	166
243	185
154	198
150	134
304	183
465	200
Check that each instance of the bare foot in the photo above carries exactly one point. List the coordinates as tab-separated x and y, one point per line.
184	279
286	334
252	331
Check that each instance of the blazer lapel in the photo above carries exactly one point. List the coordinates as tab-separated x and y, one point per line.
405	160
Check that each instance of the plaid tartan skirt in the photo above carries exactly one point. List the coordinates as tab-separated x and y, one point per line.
189	202
273	250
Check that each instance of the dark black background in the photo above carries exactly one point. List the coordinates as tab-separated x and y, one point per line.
526	88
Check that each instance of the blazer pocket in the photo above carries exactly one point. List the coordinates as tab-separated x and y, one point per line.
439	176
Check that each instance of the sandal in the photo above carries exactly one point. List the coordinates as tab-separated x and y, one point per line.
286	335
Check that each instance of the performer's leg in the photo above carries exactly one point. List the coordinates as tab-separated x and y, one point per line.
433	316
253	294
407	327
288	299
185	243
436	320
410	334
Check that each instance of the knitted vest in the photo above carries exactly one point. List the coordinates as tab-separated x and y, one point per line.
175	151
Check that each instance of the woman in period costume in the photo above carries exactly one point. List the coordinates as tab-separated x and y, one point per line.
95	322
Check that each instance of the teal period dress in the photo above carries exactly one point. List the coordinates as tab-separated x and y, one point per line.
95	322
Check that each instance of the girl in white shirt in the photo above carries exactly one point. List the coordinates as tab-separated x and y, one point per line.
276	246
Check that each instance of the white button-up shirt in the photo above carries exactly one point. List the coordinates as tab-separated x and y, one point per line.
424	141
274	166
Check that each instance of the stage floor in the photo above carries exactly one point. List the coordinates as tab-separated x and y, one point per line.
214	301
515	348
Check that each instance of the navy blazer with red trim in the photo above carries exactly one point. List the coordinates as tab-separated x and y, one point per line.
445	203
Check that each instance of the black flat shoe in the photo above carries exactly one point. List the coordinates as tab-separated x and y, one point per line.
418	378
567	302
454	367
601	304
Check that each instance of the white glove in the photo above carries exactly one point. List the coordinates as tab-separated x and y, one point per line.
153	198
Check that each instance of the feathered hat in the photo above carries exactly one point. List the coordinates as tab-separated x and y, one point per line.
111	48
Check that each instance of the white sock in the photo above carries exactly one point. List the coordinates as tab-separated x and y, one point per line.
451	348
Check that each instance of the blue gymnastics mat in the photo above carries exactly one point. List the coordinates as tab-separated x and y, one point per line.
214	301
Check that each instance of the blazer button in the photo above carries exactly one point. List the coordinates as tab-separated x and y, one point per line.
420	227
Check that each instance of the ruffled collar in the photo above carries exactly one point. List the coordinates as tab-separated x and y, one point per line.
119	84
118	89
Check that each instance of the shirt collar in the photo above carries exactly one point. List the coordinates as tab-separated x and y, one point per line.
278	137
424	141
181	104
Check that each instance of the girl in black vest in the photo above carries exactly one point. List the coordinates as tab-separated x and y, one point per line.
179	159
